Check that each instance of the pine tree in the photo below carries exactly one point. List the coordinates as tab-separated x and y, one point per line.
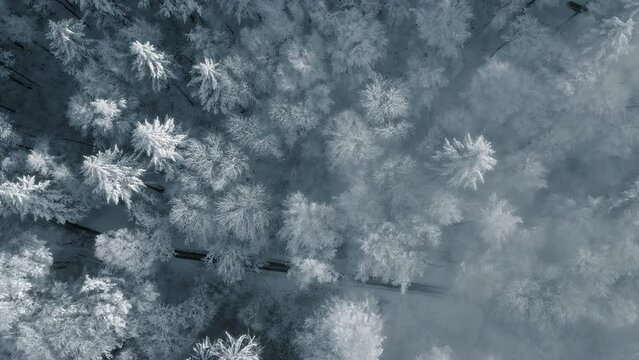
27	197
391	255
193	216
443	24
497	222
67	41
350	140
103	117
223	87
53	320
242	348
309	229
102	10
242	211
307	271
252	134
342	330
113	175
132	251
437	353
360	41
152	63
240	9
9	137
464	164
158	141
181	9
214	162
207	76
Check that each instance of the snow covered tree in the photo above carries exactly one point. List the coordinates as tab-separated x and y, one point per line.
437	353
384	100
360	42
223	87
67	41
214	162
296	118
464	163
152	63
9	137
242	211
342	329
27	197
112	175
611	39
103	117
391	255
193	215
132	251
158	141
350	140
181	9
252	134
240	9
242	348
497	222
54	320
206	75
102	10
443	24
385	103
307	271
166	331
309	229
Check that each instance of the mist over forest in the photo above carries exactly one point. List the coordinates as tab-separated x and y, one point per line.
319	180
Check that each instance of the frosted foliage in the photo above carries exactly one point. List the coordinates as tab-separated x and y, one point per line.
223	87
612	39
342	330
444	208
152	63
206	76
444	24
112	175
350	140
391	255
128	250
193	216
497	221
99	115
240	9
307	271
216	163
384	100
22	270
244	347
158	141
67	40
360	43
464	163
308	228
242	211
8	135
28	197
254	135
437	353
181	9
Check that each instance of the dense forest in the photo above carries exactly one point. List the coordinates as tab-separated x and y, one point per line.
319	179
